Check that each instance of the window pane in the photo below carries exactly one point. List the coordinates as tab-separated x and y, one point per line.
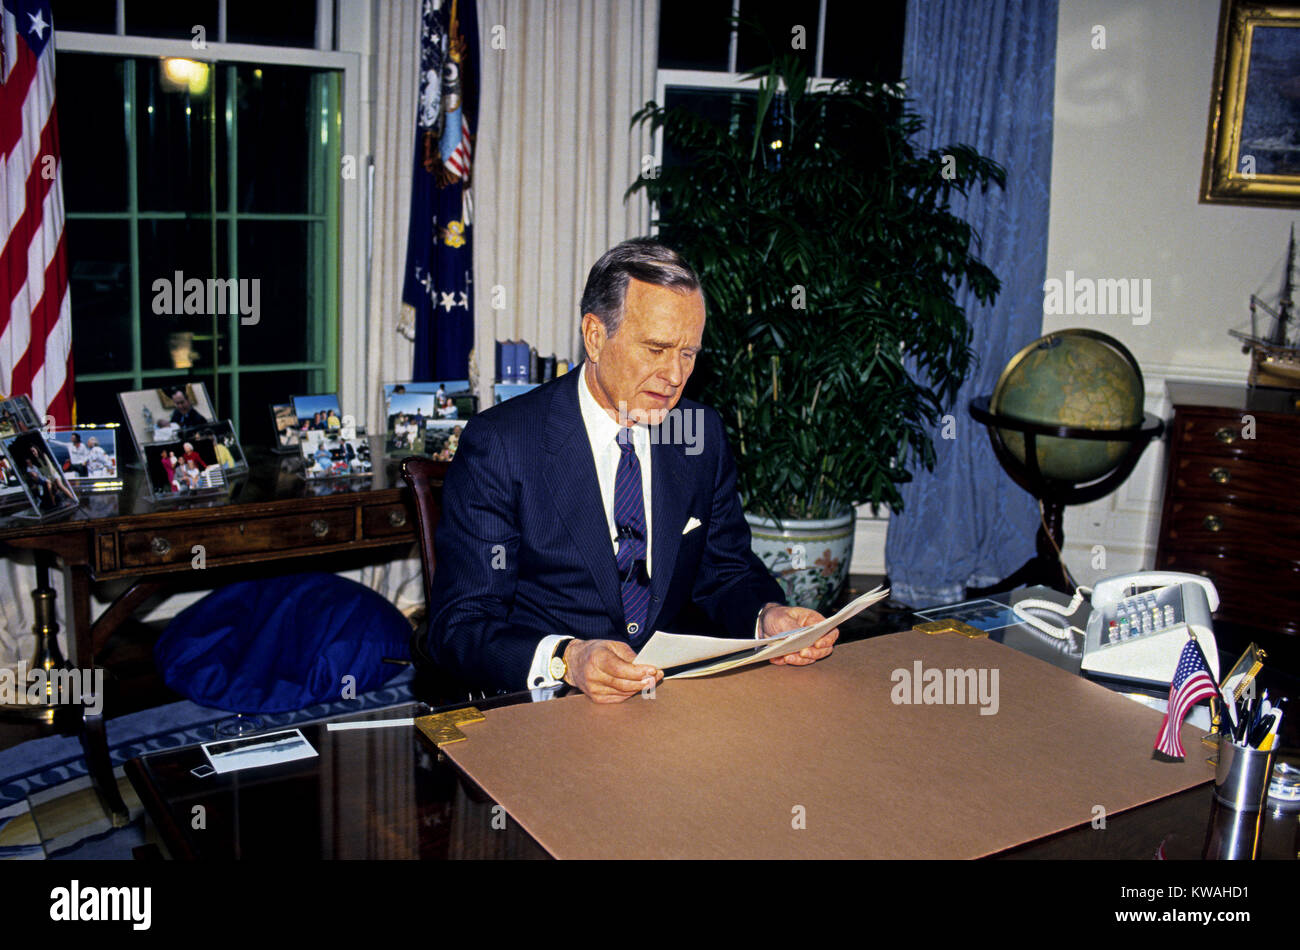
100	288
257	392
92	132
694	34
84	16
170	338
283	114
864	41
174	130
282	23
171	19
733	110
285	258
776	35
97	402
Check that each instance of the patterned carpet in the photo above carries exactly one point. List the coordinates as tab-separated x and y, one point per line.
48	809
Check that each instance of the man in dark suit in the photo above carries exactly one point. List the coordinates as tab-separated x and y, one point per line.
579	517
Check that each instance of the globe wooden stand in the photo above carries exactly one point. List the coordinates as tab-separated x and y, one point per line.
1054	494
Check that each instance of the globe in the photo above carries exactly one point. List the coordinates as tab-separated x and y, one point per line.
1071	378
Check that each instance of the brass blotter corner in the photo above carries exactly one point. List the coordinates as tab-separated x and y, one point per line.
443	728
951	626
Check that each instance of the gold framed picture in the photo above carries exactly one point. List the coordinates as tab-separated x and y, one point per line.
1252	152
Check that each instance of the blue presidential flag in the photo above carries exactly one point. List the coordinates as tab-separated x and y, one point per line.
439	269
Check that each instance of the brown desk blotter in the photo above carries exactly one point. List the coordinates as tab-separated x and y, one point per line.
730	766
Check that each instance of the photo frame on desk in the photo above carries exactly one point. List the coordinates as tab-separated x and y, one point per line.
42	479
18	415
285	422
228	452
331	456
318	413
405	417
158	415
12	494
183	469
442	438
88	456
453	399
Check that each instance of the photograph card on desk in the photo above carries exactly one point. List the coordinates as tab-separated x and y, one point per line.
829	761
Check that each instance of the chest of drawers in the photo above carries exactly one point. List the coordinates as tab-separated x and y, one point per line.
1232	501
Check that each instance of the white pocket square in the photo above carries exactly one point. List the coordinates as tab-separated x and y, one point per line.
691	525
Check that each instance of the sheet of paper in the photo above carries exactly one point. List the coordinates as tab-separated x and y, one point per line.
251	752
669	650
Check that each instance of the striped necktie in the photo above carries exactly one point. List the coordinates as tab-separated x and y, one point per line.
629	519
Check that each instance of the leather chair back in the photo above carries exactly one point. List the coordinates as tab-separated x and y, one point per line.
424	476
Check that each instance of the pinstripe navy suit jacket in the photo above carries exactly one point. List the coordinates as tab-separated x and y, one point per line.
524	549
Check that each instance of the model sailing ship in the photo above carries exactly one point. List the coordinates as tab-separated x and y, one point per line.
1274	347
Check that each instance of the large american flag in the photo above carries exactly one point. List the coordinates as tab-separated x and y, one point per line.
35	314
1191	683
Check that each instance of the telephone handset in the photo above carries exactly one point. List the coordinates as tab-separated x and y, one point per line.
1139	624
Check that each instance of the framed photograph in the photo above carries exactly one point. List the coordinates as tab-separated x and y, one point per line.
330	456
183	468
1252	154
225	445
407	414
41	477
287	433
158	415
12	493
17	415
319	413
441	438
87	455
452	398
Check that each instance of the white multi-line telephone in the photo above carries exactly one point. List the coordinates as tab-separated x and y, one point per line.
1139	624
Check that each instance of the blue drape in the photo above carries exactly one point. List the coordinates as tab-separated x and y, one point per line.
980	73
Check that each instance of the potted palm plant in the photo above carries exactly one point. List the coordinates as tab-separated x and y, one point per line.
829	258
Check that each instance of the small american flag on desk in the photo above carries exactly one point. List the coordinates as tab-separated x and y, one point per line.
1191	683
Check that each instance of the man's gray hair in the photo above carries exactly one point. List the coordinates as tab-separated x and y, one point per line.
645	260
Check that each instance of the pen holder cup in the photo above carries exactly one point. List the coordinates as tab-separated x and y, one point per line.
1241	777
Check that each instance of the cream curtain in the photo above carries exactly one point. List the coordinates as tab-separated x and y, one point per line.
389	354
397	63
553	155
560	82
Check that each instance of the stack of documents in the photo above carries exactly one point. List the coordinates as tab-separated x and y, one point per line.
668	651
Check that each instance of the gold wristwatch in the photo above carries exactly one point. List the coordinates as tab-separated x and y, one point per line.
557	668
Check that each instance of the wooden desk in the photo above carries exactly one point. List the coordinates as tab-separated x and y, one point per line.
388	793
272	515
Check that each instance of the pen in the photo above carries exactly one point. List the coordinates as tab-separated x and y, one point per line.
1272	733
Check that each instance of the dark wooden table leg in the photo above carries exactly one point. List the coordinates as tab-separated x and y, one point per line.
91	732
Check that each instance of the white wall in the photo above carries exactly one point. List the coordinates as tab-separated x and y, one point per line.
1128	144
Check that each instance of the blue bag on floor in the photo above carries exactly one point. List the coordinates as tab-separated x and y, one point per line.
282	644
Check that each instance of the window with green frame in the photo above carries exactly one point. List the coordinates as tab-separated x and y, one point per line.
179	174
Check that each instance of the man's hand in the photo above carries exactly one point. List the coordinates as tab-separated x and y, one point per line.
778	619
603	669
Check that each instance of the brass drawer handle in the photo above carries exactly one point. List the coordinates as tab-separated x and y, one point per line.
1220	475
1227	435
159	545
1212	523
320	528
397	517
